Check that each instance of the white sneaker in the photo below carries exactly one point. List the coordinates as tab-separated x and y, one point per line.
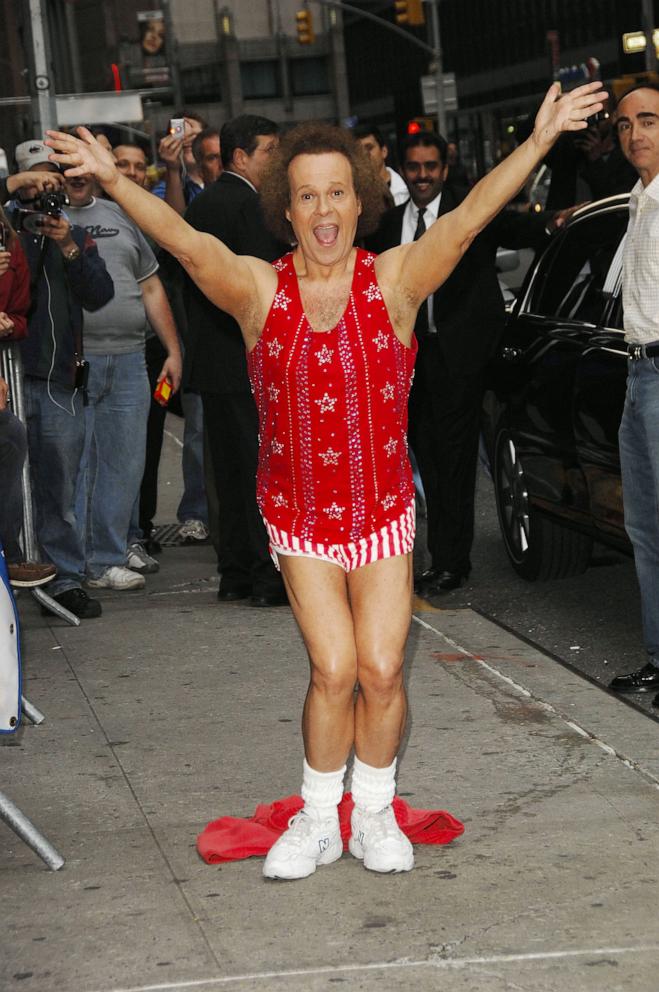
306	844
378	841
117	577
193	530
139	561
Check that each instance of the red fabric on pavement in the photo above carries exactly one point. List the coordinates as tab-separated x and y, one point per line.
231	838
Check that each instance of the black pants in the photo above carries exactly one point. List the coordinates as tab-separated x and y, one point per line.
13	448
231	425
155	356
445	414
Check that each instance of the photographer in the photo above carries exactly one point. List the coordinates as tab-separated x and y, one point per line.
67	275
183	179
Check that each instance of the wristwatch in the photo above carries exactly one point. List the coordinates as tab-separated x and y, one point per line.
72	254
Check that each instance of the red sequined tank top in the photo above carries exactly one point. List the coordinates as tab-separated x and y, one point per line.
333	464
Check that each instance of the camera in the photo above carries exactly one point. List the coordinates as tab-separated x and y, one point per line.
81	373
31	214
177	127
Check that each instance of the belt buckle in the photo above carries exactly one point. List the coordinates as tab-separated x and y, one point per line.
637	351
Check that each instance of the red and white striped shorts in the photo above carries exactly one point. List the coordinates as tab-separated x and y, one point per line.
395	538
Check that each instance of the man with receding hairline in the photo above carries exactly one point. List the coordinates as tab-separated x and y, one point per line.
637	121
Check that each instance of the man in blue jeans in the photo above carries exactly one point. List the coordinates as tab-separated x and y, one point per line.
637	121
118	390
68	275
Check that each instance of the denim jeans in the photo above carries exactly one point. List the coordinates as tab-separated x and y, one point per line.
639	459
13	448
113	463
56	438
193	505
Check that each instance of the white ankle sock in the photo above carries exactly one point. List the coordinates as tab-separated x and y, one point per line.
322	791
373	788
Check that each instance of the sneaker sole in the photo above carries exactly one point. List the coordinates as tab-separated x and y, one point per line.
357	851
282	872
30	583
95	584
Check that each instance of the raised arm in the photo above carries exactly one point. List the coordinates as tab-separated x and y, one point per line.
234	283
416	270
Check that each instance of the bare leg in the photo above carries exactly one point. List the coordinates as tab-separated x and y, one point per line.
381	601
318	594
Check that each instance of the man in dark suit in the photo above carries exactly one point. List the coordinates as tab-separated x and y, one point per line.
216	364
458	330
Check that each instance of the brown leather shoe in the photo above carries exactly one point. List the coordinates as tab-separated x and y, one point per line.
26	574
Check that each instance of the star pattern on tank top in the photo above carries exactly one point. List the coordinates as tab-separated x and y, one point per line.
281	301
279	265
390	447
324	355
388	391
372	292
381	340
326	403
274	348
277	447
273	393
279	499
335	512
329	457
388	501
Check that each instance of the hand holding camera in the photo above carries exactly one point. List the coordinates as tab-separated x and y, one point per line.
170	149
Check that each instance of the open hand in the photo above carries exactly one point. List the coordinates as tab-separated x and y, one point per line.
568	112
169	151
38	181
82	156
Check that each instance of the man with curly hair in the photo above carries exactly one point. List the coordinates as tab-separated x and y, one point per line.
329	331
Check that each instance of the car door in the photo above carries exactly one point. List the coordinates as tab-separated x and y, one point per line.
599	396
558	318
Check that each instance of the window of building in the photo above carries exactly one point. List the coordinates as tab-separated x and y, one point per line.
260	79
309	77
201	83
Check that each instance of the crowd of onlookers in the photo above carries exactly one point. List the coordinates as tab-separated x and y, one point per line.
104	319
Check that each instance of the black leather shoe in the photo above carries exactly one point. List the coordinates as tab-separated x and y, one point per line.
646	679
231	594
275	599
445	581
426	578
76	601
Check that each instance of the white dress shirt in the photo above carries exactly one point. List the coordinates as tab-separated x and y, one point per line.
397	187
640	266
410	221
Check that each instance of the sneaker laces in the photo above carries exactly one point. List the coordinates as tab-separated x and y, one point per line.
384	826
300	827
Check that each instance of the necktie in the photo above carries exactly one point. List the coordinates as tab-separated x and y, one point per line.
422	323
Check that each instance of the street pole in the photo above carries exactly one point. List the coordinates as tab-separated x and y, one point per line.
44	109
439	67
648	28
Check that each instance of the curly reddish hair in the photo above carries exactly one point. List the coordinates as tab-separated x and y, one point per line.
317	138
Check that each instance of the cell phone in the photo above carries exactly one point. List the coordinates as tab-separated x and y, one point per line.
177	127
163	392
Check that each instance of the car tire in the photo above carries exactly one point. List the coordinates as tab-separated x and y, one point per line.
538	547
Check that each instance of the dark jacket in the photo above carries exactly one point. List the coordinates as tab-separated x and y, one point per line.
215	359
60	292
468	307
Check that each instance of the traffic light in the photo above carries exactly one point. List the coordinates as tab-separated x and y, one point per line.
420	124
409	12
304	22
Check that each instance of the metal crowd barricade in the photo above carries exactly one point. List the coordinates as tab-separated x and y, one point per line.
11	369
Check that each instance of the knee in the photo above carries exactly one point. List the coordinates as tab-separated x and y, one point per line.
13	440
334	678
381	677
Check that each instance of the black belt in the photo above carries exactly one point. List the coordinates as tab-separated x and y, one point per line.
642	350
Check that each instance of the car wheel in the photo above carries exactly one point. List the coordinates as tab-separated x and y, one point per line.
538	547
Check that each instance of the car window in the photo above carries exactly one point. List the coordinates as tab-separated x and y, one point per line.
576	277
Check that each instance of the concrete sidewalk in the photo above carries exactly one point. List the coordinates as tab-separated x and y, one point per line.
172	709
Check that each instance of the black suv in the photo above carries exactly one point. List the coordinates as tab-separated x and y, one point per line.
554	400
